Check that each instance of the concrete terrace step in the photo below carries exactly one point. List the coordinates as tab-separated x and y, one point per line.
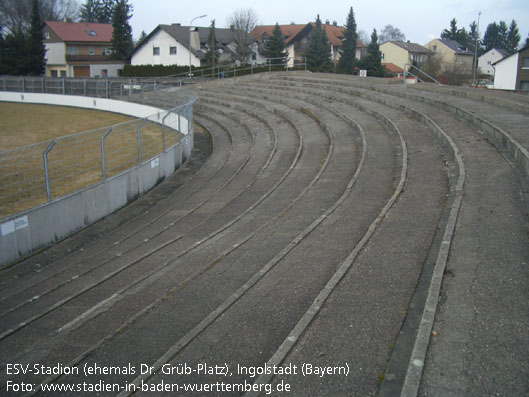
320	229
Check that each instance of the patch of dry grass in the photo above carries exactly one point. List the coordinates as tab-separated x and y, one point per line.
75	161
24	124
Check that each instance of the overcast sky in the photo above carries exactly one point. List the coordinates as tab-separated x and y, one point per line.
419	20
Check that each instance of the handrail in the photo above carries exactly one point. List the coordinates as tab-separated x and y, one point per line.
420	70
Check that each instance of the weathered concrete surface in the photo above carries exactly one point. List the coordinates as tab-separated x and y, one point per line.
336	224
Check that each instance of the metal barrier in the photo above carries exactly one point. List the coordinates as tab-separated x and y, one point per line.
35	174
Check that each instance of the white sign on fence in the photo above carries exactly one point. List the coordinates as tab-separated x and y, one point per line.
363	73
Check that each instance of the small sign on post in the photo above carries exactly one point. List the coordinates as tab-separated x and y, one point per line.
363	73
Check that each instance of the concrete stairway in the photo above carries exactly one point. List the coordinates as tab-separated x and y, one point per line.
321	222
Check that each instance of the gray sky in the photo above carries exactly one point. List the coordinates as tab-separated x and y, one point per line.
419	20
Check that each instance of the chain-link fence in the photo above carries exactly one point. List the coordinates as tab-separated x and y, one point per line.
38	173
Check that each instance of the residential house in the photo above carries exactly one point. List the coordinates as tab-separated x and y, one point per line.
512	72
79	50
453	55
401	53
297	38
179	45
488	59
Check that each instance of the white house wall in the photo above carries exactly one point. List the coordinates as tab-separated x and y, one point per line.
506	70
55	54
163	40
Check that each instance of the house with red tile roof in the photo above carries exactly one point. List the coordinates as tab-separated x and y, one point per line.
79	50
297	37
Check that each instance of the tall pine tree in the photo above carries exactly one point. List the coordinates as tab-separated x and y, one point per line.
513	38
318	51
122	34
274	47
502	37
348	50
373	61
454	33
212	54
36	50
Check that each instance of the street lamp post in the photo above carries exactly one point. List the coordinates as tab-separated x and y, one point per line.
190	36
476	54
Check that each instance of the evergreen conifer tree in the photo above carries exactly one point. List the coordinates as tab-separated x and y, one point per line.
92	11
122	34
318	51
212	54
513	38
348	50
275	47
36	63
372	62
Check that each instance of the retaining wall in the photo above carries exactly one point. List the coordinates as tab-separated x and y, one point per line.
28	231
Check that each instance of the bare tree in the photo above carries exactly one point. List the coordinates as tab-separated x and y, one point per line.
242	22
390	33
15	15
364	37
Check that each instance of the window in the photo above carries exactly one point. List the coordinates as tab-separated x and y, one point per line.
434	48
72	50
525	63
155	50
63	73
91	51
108	51
54	73
382	55
91	33
524	86
47	35
104	72
172	50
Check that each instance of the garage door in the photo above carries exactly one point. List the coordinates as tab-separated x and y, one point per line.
81	71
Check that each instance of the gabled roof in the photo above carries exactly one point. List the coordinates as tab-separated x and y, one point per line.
508	56
292	32
82	31
412	47
181	34
288	31
391	67
456	47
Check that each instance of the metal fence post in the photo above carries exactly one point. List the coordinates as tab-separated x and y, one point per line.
163	130
46	174
103	162
139	139
43	85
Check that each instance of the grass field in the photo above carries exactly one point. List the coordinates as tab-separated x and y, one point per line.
23	124
75	161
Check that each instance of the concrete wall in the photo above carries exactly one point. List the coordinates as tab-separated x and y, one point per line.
30	230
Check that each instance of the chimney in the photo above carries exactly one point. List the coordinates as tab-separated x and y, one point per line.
195	40
176	24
